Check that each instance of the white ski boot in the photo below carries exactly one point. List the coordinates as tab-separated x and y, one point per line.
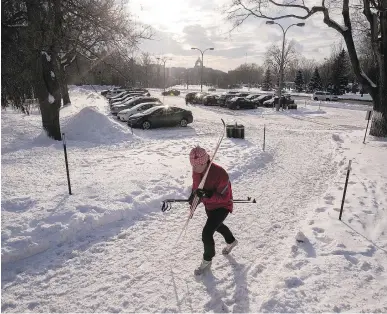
203	266
229	247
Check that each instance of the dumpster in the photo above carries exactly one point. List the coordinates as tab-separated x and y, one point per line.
230	130
235	131
239	131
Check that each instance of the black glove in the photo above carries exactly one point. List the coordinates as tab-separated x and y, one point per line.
191	197
201	193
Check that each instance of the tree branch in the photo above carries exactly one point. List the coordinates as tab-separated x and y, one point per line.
257	12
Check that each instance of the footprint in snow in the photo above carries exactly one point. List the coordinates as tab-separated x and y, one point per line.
318	230
257	270
321	209
293	282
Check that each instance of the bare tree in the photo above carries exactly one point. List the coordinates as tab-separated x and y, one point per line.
307	67
273	58
94	29
371	15
146	63
44	37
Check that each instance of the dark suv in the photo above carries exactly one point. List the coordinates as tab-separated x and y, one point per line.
172	92
189	98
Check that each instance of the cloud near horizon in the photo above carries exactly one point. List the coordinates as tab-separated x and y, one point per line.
179	25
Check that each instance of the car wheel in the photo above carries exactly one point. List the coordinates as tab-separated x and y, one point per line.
146	125
315	98
183	123
255	106
327	99
238	107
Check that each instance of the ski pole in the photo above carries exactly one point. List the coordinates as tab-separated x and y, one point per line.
166	206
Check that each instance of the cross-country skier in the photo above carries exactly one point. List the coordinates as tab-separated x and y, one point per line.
217	199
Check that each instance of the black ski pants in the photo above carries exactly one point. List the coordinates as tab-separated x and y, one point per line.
214	223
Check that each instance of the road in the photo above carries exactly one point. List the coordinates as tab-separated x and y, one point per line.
347	101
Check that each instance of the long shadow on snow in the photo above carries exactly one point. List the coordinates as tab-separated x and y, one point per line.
240	299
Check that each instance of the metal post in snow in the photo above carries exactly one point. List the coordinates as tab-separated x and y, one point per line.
66	162
319	105
345	189
368	117
264	137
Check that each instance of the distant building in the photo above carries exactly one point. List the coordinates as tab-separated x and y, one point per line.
198	63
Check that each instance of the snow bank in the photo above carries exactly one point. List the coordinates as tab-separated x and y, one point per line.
90	125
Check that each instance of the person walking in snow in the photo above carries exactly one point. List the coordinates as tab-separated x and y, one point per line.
216	197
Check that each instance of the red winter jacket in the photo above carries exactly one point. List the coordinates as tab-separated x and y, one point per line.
218	182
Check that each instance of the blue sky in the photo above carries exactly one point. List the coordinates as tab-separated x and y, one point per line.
179	25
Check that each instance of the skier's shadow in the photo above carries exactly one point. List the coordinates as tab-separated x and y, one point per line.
216	303
240	299
241	292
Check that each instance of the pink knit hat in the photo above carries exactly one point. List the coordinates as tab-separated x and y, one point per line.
198	156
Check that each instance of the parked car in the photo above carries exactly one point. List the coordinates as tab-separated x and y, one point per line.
172	92
124	102
212	89
124	115
198	99
210	100
224	97
133	102
252	96
115	93
262	99
324	96
285	101
240	103
242	94
189	98
161	117
123	98
106	91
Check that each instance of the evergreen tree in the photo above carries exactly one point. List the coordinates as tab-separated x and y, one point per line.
267	84
340	73
299	81
315	82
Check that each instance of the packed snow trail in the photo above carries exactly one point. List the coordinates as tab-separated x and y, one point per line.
131	265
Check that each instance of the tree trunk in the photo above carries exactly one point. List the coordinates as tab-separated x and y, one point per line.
378	91
48	93
46	84
379	120
63	85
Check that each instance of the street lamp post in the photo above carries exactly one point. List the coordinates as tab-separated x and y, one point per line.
164	60
282	59
201	72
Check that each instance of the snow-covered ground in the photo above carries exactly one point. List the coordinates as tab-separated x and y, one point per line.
196	88
109	248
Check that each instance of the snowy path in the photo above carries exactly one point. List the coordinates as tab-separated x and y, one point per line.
119	269
132	266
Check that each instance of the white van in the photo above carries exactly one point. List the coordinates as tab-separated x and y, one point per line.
324	96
